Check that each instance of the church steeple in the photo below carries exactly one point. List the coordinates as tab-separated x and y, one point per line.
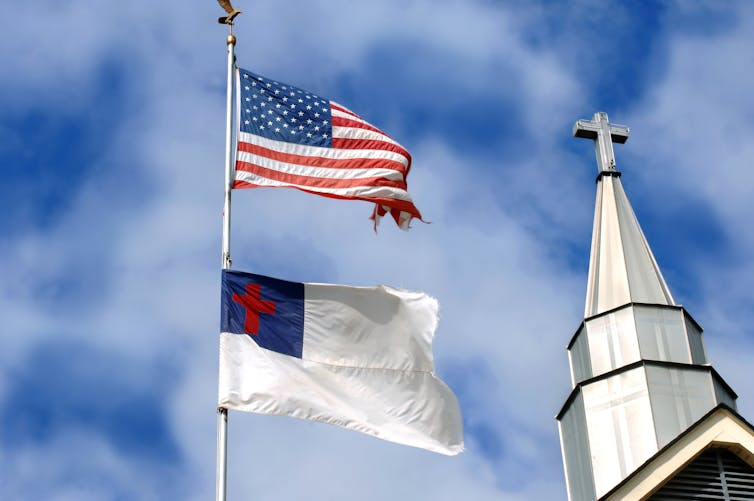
622	268
638	365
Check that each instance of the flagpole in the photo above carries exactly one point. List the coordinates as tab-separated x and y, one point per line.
226	260
222	412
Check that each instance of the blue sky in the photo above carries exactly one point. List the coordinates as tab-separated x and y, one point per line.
111	150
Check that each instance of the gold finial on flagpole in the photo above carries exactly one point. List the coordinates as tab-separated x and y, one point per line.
232	13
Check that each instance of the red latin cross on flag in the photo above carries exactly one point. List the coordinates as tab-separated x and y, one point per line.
254	305
268	310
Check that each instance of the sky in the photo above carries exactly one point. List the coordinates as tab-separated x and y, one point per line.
112	124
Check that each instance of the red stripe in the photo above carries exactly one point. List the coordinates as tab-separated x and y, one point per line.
347	122
344	110
400	205
369	144
317	182
345	163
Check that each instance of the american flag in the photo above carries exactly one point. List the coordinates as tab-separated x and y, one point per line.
291	138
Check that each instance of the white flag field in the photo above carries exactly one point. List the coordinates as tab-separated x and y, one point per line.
356	357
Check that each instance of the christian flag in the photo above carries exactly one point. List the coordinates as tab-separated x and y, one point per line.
291	138
356	357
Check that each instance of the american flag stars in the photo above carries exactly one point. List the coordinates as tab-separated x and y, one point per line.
299	116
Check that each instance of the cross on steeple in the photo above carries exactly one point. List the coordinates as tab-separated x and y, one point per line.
604	134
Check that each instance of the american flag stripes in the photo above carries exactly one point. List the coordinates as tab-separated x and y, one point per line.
291	138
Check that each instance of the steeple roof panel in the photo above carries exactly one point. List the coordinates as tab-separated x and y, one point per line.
622	268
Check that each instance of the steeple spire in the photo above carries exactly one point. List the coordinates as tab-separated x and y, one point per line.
622	268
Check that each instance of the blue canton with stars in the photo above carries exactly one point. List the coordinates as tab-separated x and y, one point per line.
283	112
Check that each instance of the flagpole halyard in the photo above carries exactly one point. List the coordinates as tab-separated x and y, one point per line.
222	413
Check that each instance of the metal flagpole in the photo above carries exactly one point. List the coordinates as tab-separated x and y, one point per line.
226	260
222	413
222	453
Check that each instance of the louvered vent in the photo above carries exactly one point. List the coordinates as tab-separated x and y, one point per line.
717	474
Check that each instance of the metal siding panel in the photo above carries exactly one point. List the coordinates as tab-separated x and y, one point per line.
620	426
581	367
722	395
696	343
612	341
662	335
576	454
679	397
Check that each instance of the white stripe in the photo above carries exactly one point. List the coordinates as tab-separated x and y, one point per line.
360	191
321	172
382	137
347	110
355	133
320	151
341	114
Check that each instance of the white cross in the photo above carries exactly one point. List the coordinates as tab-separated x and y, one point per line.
604	134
